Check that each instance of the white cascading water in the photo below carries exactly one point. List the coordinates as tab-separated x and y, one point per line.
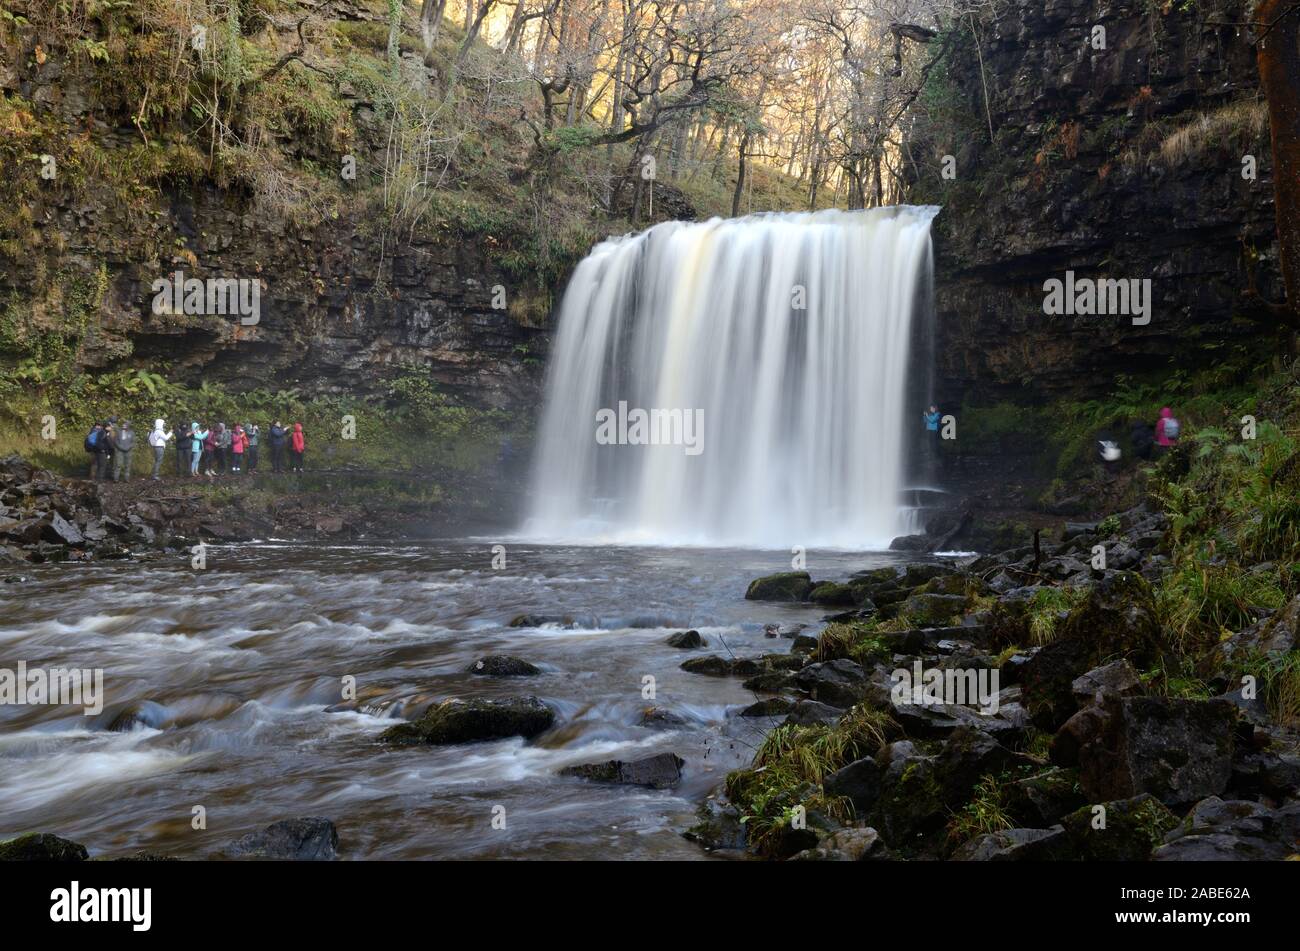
802	407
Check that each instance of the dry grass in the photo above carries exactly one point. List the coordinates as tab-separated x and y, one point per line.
1246	120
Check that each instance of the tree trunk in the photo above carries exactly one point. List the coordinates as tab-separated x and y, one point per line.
1278	57
431	21
740	174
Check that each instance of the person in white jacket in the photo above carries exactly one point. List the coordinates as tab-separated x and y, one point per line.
158	440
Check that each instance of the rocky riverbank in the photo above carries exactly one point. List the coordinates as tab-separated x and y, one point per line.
1024	706
48	518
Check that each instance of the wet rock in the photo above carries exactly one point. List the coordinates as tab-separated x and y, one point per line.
1274	773
1176	750
1047	679
685	640
859	782
656	772
833	594
958	584
770	681
60	531
910	803
915	575
1045	798
911	543
717	826
311	839
1016	845
812	713
1116	620
543	620
1111	681
934	609
42	847
967	755
713	665
1132	829
1274	636
770	707
660	718
469	721
144	714
862	844
503	665
924	721
1233	831
840	682
878	576
784	586
803	644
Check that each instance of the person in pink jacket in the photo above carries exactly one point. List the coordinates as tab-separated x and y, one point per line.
238	443
1168	430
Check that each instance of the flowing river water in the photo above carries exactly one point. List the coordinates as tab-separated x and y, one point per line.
232	672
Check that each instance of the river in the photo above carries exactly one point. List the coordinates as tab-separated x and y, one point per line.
237	666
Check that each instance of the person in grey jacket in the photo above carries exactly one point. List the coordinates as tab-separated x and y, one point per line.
123	443
254	437
222	453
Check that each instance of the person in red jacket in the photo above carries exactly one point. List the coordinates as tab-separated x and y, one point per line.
297	446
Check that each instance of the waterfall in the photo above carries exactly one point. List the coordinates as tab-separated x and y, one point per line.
785	336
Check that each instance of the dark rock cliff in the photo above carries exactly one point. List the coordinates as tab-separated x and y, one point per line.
1122	162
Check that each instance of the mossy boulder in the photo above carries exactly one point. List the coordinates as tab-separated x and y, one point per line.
1045	798
910	802
916	575
470	721
834	594
784	586
714	665
1125	830
1116	620
952	584
933	610
717	826
42	847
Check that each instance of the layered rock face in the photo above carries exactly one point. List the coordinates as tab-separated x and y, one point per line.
1099	162
342	306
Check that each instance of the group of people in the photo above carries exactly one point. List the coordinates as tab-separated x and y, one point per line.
200	449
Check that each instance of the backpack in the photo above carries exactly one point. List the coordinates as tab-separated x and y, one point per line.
92	439
1172	428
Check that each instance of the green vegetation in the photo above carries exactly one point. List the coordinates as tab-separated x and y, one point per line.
788	770
1046	608
413	426
984	813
